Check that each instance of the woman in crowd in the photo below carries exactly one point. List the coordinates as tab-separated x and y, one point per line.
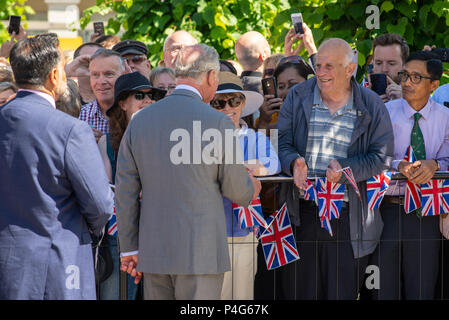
290	71
164	79
132	92
233	101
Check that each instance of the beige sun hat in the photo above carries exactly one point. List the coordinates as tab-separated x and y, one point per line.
229	83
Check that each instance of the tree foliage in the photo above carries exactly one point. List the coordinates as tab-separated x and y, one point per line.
12	7
220	22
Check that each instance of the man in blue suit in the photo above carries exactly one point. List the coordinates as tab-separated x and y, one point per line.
53	188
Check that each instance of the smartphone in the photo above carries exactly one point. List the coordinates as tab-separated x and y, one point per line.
14	24
99	27
269	86
297	23
378	83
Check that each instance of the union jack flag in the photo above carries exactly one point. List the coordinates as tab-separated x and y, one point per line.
278	242
251	216
310	193
376	187
350	176
435	197
112	225
330	200
412	199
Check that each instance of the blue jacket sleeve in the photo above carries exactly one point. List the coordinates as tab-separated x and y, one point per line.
286	149
85	170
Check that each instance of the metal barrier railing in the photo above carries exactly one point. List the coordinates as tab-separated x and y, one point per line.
288	179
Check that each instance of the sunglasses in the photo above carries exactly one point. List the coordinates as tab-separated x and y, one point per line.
296	60
135	59
221	104
153	95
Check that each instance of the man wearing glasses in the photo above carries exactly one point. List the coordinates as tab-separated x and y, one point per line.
327	123
135	55
407	255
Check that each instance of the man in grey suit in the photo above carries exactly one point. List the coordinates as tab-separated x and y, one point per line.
177	239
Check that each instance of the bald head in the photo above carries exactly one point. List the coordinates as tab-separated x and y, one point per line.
251	50
337	47
173	43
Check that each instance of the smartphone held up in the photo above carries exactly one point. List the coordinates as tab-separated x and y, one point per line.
14	24
269	86
297	23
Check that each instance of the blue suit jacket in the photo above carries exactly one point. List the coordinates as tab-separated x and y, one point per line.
53	190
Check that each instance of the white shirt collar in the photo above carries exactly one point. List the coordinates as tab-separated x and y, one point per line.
190	88
44	95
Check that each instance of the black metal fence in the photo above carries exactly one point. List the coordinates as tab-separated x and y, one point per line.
267	284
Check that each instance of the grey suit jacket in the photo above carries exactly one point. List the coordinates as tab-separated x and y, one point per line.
181	227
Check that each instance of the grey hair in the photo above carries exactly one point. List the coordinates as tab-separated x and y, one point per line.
161	70
105	53
206	60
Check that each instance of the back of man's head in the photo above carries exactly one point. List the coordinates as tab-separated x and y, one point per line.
33	59
194	61
389	39
251	49
433	64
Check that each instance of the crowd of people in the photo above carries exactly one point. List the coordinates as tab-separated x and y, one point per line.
136	162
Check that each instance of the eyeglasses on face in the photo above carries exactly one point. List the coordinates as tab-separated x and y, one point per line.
415	78
135	59
153	95
168	88
220	104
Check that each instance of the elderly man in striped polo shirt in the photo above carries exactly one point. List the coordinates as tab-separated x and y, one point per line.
325	124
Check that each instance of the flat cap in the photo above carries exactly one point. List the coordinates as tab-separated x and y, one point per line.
131	47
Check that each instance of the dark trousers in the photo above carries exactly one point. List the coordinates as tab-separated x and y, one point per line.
407	255
327	268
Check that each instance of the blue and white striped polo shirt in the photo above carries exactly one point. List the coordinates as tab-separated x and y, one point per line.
329	135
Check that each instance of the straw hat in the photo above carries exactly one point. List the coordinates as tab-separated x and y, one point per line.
229	82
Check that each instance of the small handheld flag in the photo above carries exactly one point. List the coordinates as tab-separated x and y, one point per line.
278	242
251	216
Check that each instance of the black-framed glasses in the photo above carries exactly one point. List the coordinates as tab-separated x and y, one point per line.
220	104
415	78
153	95
135	59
